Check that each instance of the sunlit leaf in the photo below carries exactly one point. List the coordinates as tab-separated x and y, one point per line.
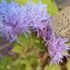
52	8
21	1
17	48
52	67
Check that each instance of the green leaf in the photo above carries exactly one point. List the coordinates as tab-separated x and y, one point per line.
68	42
21	1
38	42
28	67
25	39
21	44
17	48
52	67
52	8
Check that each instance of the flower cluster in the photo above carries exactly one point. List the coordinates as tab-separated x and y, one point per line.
57	49
39	19
16	19
13	20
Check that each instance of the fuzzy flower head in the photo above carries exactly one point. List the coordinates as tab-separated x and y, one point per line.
13	17
39	19
57	49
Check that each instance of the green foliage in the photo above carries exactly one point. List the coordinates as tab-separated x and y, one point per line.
24	63
24	38
27	42
22	43
21	1
39	44
68	42
52	67
52	8
17	48
4	62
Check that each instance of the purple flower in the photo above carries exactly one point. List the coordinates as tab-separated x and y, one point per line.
57	49
39	19
13	19
46	33
16	19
